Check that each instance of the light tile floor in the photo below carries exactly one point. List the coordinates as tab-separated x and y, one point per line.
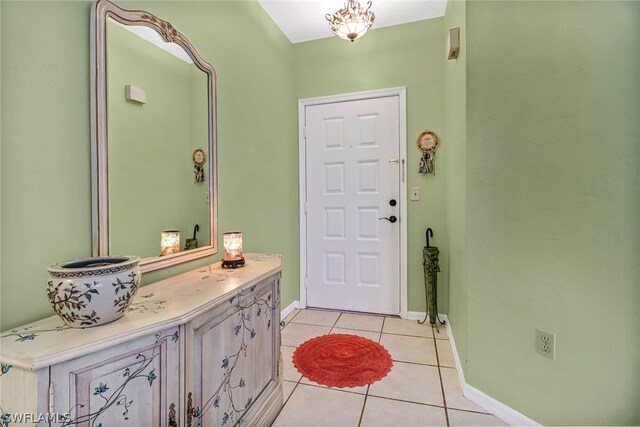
422	388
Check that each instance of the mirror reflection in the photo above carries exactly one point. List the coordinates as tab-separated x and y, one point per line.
158	144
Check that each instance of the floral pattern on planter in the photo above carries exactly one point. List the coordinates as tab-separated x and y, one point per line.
68	301
93	291
129	289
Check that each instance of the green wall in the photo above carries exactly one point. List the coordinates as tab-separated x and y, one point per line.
455	160
553	202
408	55
45	153
46	179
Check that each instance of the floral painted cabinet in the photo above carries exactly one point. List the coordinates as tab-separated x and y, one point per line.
198	349
235	353
136	384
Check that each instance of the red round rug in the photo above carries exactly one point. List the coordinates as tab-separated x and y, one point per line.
341	360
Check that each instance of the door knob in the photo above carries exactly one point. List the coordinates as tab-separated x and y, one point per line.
391	219
392	202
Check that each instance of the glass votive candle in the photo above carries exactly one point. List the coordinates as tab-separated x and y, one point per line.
169	242
232	242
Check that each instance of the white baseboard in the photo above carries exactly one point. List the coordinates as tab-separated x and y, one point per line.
415	315
289	309
499	409
486	402
420	315
456	358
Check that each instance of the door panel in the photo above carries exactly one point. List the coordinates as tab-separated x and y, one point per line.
135	383
234	357
352	165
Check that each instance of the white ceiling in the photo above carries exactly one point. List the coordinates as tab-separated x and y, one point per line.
304	20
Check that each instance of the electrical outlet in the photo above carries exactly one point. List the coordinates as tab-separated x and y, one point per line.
546	344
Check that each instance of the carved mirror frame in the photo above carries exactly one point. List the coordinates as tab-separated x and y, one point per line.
100	12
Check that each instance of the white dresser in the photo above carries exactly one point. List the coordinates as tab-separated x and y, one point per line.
198	349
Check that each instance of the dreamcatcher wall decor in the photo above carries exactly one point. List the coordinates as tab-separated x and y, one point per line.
199	158
427	143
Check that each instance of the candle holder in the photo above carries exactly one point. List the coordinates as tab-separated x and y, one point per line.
232	242
169	242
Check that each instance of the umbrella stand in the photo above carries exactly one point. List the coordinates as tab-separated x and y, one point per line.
430	255
192	243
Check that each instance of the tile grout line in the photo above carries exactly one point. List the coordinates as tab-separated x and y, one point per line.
291	394
324	387
415	363
294	316
366	394
358	330
444	398
287	323
335	323
470	411
295	387
395	399
412	336
363	406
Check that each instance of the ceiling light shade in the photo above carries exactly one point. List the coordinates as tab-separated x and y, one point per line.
352	21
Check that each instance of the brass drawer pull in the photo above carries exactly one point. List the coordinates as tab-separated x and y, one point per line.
172	415
190	410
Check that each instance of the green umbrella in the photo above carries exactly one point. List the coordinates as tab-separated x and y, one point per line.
192	243
430	255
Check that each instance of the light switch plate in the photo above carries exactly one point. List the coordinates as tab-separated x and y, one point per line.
415	193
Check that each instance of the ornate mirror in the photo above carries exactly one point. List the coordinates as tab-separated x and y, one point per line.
153	134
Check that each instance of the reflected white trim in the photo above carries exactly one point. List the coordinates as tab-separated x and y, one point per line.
152	36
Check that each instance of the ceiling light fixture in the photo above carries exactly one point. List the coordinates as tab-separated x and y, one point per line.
352	21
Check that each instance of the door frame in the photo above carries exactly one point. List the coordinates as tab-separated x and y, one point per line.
400	93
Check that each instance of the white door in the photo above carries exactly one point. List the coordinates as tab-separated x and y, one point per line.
353	184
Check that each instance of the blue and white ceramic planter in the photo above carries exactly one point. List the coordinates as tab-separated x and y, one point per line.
93	291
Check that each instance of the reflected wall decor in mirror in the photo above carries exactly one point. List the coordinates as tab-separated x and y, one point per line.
153	128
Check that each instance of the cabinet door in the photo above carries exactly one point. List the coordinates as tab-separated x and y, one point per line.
133	384
234	356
